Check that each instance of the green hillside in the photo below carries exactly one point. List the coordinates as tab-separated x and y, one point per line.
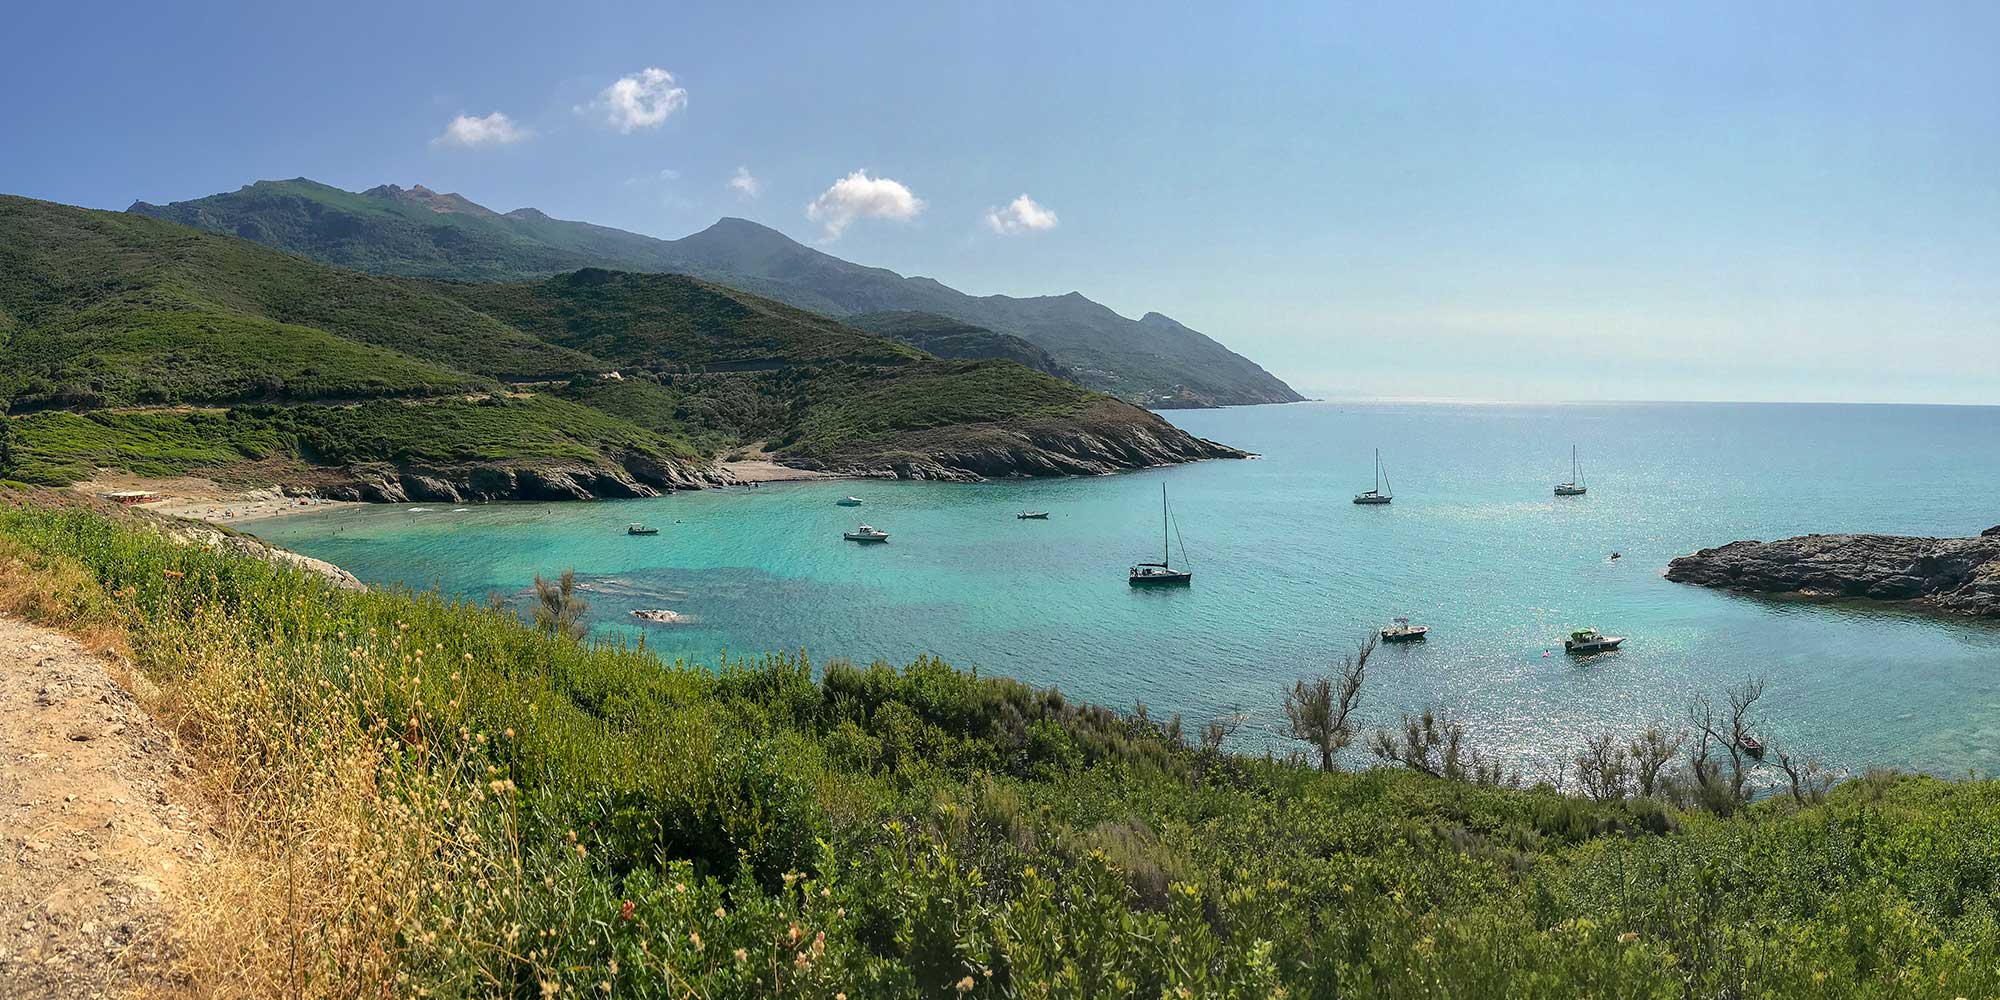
950	338
138	344
547	817
1152	361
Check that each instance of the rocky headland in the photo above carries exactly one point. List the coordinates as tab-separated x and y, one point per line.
1955	575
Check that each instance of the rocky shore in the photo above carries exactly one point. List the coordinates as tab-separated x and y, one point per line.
1036	448
1955	575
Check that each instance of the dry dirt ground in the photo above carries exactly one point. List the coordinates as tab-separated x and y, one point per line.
98	834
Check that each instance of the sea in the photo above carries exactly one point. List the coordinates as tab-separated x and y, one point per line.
1289	575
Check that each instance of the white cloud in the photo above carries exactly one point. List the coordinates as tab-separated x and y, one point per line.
744	184
1021	215
642	100
495	129
860	196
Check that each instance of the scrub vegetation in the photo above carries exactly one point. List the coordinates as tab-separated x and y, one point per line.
136	344
433	798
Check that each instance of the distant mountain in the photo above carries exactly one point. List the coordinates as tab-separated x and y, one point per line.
134	344
950	338
415	231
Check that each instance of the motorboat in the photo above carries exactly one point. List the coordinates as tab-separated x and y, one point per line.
866	533
1585	641
1033	515
635	528
1400	630
848	502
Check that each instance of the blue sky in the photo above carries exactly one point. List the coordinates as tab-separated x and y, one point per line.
1509	201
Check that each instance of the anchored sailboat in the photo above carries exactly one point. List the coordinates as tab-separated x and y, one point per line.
1382	493
1573	488
1162	573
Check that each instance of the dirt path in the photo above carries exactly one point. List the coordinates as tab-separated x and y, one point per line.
97	833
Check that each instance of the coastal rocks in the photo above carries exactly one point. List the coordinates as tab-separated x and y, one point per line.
1957	575
662	616
191	532
1111	438
636	476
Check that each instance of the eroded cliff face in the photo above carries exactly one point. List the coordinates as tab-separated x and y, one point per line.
1957	575
1040	448
1115	438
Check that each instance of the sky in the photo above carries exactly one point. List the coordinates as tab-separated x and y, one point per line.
1782	201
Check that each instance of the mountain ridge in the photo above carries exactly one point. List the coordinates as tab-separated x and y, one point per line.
419	232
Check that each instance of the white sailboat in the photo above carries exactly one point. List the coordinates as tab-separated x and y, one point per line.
1573	488
1383	492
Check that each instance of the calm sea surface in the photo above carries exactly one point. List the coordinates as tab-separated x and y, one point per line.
1288	573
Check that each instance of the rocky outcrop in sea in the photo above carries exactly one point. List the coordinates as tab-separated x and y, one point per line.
1956	575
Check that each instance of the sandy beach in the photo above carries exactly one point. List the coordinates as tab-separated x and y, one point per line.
206	500
764	471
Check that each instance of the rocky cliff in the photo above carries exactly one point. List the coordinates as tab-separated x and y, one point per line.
1957	575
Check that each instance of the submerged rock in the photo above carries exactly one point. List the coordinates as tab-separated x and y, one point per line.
1959	575
662	616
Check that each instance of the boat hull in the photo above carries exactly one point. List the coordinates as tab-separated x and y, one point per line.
1161	580
1366	500
1413	635
1587	648
1570	491
866	539
642	531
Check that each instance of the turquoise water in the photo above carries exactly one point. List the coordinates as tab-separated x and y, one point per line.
1288	573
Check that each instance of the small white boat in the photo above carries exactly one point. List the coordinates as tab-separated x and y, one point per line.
1585	641
866	533
1573	488
1383	492
1403	631
635	528
1033	515
848	502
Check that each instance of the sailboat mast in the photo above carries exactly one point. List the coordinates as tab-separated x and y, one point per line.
1378	470
1573	477
1166	551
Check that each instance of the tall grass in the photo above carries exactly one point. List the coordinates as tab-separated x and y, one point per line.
425	797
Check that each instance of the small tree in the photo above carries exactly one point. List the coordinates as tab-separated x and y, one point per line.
1651	751
1219	730
1434	743
559	610
1320	709
1725	728
1810	778
1603	768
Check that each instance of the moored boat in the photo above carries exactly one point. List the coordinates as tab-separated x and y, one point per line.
1033	515
1383	492
848	502
1585	641
635	528
866	533
1573	488
1403	631
1162	573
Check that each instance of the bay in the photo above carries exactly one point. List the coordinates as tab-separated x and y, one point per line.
1289	574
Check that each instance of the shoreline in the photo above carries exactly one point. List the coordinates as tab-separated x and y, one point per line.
196	499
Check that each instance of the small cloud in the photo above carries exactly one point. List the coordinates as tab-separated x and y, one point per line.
1021	215
642	100
860	196
669	174
744	184
469	132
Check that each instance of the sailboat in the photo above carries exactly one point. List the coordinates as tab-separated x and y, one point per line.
1383	492
1162	573
1573	488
